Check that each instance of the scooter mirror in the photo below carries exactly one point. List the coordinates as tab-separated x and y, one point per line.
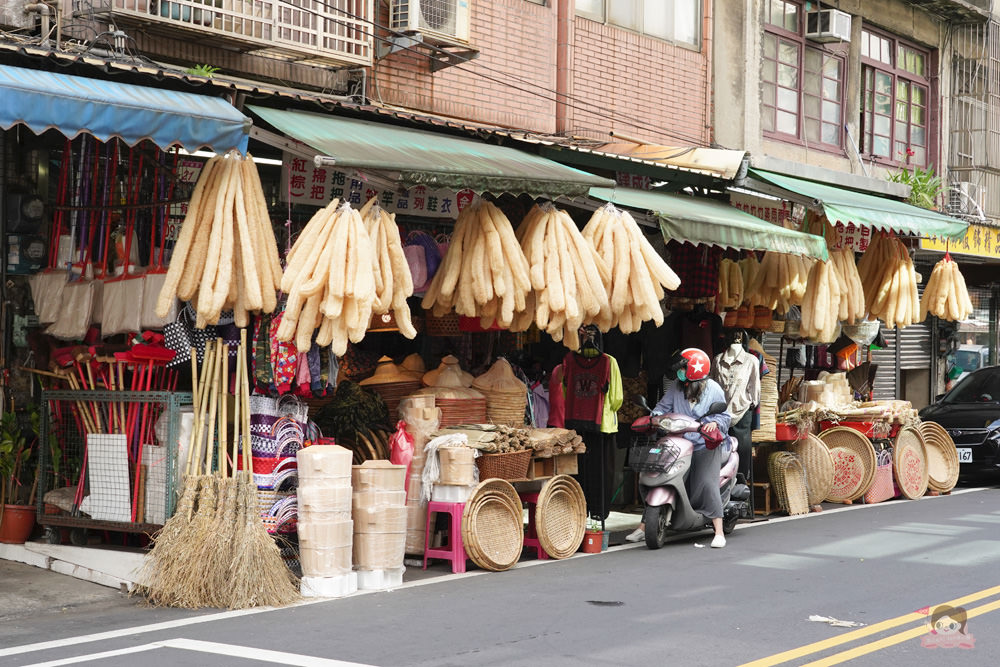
716	408
640	400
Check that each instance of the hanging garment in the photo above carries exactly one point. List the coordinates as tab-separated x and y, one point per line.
585	384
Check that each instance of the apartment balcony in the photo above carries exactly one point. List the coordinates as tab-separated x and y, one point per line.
315	32
962	11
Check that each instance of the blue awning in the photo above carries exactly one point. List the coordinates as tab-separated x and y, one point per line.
105	109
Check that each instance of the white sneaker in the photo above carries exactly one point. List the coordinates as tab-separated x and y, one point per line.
718	541
636	535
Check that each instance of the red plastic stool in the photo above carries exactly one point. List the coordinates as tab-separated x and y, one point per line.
530	534
454	550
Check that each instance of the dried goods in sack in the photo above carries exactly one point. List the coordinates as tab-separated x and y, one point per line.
637	275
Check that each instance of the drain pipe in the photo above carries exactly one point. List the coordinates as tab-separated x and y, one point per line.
564	50
46	13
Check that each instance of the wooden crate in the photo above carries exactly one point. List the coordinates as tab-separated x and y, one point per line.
565	464
540	468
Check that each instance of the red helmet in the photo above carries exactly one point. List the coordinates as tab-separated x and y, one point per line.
697	367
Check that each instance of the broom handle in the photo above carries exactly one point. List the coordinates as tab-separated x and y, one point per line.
200	411
223	412
245	398
194	395
213	403
237	406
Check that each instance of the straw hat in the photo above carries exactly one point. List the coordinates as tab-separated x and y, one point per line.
449	363
413	365
387	372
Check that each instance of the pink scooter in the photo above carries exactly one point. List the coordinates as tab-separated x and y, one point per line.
662	456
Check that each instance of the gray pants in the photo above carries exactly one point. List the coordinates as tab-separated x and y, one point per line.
703	484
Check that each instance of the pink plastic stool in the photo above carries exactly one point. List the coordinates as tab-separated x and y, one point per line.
454	550
530	534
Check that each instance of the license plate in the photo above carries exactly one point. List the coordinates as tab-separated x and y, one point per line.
964	454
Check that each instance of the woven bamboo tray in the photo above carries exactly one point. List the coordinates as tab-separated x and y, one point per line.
509	465
505	407
942	458
855	442
818	465
561	516
909	463
848	475
492	530
393	392
788	479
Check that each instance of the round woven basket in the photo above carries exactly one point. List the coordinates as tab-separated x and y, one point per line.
504	488
561	516
942	457
492	529
393	392
909	463
848	475
856	442
818	465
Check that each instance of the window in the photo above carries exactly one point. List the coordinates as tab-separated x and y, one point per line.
673	20
802	87
895	118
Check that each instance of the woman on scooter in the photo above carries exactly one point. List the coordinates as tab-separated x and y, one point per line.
692	394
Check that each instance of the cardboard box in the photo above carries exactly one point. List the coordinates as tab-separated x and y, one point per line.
379	551
565	464
380	475
325	562
324	461
378	498
324	499
325	534
380	519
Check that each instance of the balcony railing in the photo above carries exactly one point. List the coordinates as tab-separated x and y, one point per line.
315	31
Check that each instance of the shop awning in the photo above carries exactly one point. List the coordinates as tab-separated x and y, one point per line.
105	109
845	206
418	157
695	220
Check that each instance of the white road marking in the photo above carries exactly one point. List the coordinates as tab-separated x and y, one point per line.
231	650
220	616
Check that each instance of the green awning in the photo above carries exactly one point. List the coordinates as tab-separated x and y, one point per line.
699	220
845	206
418	157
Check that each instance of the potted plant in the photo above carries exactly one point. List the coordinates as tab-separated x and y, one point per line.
18	480
594	539
925	186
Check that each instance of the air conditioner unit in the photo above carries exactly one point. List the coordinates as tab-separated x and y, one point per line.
828	25
964	198
441	21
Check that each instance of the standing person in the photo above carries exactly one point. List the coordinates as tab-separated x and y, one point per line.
692	394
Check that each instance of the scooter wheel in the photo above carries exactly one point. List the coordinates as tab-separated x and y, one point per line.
656	520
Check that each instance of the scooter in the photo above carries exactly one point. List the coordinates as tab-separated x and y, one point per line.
662	456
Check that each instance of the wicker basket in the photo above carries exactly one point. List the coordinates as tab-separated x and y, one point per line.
942	458
777	326
446	325
509	465
505	407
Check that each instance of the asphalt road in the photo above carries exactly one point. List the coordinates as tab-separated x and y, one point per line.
886	566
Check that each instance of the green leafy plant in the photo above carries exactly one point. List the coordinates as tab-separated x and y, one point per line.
202	70
15	450
925	186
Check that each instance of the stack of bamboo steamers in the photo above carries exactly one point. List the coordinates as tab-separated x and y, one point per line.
326	530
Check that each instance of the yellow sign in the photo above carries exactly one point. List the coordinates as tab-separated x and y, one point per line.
980	240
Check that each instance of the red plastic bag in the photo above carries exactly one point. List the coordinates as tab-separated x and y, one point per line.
401	448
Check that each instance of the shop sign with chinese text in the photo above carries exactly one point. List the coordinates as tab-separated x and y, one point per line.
305	183
979	240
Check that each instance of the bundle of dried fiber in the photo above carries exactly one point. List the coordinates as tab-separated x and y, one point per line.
226	256
637	275
568	277
393	281
484	273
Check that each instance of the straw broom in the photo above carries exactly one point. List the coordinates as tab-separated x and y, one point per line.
259	575
164	565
